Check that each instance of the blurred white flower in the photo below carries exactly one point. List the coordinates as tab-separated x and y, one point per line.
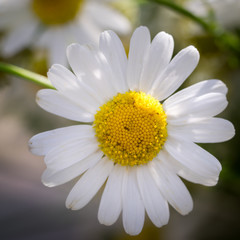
135	144
227	12
53	25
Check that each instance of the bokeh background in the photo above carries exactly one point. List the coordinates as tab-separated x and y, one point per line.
31	211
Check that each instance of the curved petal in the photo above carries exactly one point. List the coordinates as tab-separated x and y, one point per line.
156	206
133	208
52	178
178	70
90	66
19	38
182	170
56	46
54	102
195	159
68	153
171	187
138	52
196	90
111	202
42	143
72	88
89	184
112	48
101	13
206	131
160	54
203	106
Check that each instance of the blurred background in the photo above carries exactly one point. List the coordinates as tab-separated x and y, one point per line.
28	209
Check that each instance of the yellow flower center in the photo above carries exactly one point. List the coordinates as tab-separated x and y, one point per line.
54	12
131	128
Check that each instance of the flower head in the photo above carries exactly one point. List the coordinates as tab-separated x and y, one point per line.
140	140
53	25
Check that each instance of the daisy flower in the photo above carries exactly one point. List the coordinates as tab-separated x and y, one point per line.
53	25
139	140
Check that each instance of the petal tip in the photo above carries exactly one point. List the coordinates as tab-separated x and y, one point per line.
72	47
193	52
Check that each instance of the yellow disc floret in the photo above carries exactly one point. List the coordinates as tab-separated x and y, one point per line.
131	128
54	12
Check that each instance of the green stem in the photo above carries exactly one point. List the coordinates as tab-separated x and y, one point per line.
184	12
28	75
230	40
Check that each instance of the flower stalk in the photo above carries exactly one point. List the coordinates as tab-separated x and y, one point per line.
229	40
25	74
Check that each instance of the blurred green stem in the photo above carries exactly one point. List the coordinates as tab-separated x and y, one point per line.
184	12
27	75
230	40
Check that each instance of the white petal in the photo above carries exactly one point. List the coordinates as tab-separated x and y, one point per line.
196	90
182	170
113	50
156	206
79	33
111	202
160	54
68	153
90	66
171	187
71	87
138	52
14	14
195	159
108	18
206	131
52	178
57	46
187	99
54	102
89	184
19	38
43	39
203	106
86	30
176	73
42	143
133	208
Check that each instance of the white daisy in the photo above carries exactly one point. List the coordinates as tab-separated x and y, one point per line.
135	144
53	25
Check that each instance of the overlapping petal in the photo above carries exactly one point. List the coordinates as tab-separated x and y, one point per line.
171	186
160	54
42	143
89	184
68	153
111	201
156	206
201	100
54	102
53	177
208	130
195	159
138	53
111	46
181	66
89	65
73	88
